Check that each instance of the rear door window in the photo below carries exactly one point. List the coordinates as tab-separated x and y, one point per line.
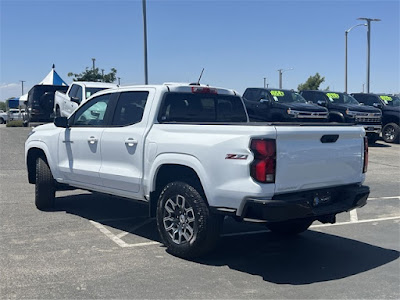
130	108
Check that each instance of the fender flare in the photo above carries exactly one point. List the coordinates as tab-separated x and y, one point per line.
182	159
337	114
37	144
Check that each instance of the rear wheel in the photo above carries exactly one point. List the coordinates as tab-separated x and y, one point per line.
2	121
58	113
185	223
390	133
44	188
291	227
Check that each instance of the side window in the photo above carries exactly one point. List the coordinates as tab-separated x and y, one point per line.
263	95
252	94
308	96
371	100
361	99
72	91
79	93
92	113
319	97
130	108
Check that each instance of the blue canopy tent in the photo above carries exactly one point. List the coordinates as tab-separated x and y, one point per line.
53	79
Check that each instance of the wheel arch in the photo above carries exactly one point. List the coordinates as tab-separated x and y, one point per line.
335	115
171	168
32	155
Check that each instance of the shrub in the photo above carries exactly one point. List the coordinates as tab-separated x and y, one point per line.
15	123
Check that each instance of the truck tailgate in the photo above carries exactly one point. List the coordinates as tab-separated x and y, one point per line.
311	158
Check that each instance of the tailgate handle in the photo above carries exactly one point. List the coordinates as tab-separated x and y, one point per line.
329	138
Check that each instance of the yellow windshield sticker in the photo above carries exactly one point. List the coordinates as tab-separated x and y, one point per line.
277	93
386	98
333	95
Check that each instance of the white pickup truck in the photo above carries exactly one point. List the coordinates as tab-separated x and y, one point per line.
191	154
77	93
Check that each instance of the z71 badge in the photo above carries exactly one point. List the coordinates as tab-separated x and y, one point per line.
236	156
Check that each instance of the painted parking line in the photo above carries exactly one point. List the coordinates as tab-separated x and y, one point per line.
385	198
116	238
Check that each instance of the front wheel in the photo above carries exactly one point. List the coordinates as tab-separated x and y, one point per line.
390	133
185	223
291	227
44	188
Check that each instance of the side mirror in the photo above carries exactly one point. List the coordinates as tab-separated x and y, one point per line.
377	105
322	103
75	99
61	122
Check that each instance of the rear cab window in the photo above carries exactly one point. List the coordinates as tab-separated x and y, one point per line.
190	107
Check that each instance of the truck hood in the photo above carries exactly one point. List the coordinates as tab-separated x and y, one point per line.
44	127
302	107
391	108
360	108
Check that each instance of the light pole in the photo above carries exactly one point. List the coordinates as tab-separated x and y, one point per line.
369	20
93	60
146	80
280	75
265	82
119	80
345	56
22	82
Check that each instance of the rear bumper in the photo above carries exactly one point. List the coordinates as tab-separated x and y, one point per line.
308	204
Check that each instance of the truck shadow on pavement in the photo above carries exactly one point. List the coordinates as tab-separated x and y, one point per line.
308	258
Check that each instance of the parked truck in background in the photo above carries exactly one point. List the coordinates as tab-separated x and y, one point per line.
343	108
191	154
77	93
279	105
390	107
40	102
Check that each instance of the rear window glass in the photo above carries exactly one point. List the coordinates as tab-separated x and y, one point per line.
188	107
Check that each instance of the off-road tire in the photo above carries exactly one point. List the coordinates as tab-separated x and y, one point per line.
44	188
392	128
291	227
206	226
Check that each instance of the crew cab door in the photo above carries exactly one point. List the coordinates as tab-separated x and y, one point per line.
79	154
122	144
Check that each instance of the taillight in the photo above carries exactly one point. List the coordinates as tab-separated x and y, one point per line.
263	167
365	166
203	90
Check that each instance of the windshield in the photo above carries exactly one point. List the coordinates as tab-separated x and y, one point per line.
390	100
91	91
341	98
286	96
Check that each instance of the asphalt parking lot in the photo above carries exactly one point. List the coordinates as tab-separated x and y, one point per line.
94	246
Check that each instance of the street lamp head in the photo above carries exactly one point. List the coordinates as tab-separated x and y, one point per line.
369	19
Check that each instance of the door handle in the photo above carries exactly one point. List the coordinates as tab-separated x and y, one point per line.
92	140
131	142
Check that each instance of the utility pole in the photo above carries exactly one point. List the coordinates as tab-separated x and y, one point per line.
22	82
146	80
119	80
369	20
93	59
280	75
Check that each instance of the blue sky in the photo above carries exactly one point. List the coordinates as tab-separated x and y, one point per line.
237	42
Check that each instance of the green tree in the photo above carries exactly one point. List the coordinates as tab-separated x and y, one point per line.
3	106
312	83
94	75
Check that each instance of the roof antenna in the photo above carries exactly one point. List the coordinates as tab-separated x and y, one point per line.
201	74
198	81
